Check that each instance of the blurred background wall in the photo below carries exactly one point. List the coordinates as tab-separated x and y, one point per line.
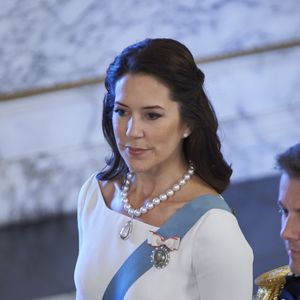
53	57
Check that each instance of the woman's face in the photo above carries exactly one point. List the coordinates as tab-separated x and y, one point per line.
147	124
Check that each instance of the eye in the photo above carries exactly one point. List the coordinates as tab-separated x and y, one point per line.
153	115
120	111
283	211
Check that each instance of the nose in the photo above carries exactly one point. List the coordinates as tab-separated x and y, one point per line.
289	230
134	128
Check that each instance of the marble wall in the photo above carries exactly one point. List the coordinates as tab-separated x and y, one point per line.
44	42
257	99
51	142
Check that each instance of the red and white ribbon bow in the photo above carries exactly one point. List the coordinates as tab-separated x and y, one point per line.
156	240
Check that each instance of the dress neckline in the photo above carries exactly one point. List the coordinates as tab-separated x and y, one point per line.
115	213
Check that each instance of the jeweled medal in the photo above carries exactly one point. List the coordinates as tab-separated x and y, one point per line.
160	257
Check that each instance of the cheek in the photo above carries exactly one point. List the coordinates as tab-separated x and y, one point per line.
114	124
282	224
117	127
163	135
169	131
283	221
166	138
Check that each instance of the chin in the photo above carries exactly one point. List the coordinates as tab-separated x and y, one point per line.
295	267
136	167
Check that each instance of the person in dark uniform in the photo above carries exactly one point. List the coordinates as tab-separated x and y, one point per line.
284	283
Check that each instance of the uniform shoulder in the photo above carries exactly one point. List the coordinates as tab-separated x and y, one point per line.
271	283
272	277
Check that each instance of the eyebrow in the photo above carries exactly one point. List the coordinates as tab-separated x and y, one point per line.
144	107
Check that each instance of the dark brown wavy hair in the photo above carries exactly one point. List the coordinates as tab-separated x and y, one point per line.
173	65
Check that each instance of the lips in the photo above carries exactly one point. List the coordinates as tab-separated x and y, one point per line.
292	252
135	151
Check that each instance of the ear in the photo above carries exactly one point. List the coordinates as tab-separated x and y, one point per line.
186	132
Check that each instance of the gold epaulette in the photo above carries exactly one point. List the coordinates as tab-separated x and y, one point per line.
271	283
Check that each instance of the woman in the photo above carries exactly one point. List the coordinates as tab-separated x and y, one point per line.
165	159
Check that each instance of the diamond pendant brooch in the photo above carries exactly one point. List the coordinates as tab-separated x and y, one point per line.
126	230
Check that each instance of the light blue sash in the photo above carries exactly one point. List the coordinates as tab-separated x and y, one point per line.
178	225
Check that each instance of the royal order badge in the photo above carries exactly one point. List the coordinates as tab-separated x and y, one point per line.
160	255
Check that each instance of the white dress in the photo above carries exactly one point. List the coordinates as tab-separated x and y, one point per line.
213	262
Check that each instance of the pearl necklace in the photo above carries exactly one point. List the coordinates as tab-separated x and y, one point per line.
148	205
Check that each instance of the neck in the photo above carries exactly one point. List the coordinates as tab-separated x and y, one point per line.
146	185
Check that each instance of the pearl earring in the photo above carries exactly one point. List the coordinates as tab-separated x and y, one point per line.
185	135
